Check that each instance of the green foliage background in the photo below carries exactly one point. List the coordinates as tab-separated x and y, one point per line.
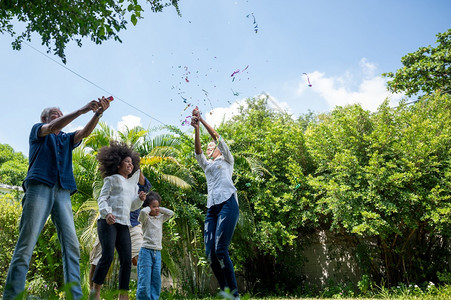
424	71
46	261
13	166
379	181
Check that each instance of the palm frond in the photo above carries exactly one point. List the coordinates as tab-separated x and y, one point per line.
163	151
89	235
176	181
133	136
179	132
89	205
251	161
100	137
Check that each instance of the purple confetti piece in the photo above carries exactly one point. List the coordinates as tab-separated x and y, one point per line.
235	72
308	80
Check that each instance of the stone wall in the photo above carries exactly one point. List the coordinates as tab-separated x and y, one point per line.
329	258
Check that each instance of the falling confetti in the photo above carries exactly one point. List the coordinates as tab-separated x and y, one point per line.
255	23
186	121
206	95
237	71
308	80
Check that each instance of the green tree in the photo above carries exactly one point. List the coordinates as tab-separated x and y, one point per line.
46	260
13	166
382	182
58	22
426	70
10	211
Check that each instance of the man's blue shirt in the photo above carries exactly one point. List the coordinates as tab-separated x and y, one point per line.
50	158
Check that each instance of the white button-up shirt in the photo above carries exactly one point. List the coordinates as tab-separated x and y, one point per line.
118	196
219	175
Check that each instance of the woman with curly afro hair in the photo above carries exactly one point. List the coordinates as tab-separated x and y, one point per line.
119	166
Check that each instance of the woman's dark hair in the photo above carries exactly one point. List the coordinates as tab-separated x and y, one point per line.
151	196
110	157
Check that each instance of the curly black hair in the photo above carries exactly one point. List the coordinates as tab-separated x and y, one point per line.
110	157
151	196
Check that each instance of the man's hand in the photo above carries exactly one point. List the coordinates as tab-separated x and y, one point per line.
103	104
92	105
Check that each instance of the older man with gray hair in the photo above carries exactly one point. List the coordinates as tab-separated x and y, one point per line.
48	186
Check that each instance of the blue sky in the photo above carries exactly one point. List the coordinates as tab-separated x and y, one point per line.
343	47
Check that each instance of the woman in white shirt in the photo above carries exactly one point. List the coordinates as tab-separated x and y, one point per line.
119	165
222	204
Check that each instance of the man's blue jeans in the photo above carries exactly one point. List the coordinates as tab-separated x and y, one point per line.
39	202
149	274
218	231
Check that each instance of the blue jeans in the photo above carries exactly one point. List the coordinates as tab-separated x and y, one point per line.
149	274
111	236
218	231
39	202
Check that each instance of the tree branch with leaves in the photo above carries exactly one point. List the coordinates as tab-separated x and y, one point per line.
59	22
426	70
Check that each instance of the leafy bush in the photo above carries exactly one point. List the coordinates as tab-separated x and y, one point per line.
45	265
10	211
41	288
383	180
444	277
13	166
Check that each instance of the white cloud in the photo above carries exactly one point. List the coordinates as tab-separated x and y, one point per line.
275	104
368	68
219	114
128	121
364	87
223	114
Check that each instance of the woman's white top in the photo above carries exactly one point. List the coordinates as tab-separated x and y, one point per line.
219	175
118	196
153	227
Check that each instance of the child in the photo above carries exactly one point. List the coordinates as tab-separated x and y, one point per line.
152	217
119	165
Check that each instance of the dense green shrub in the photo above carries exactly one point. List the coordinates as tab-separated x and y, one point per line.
383	180
13	166
379	181
46	264
10	211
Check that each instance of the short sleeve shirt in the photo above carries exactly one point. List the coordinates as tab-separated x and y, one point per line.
50	158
